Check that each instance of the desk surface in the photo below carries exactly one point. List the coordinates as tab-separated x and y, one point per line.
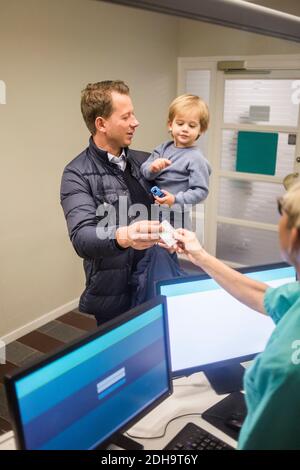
192	395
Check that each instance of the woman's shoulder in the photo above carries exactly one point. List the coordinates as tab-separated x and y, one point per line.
279	300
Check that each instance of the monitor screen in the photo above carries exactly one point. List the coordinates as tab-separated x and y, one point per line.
85	393
208	326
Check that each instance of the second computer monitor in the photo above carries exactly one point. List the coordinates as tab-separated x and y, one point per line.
209	328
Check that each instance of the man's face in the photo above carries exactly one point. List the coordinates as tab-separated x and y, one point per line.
121	125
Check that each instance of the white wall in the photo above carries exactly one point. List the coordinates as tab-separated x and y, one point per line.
49	50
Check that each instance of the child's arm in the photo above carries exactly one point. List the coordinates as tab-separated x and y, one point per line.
159	164
199	171
154	164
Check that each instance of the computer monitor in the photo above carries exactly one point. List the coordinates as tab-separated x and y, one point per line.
211	331
87	393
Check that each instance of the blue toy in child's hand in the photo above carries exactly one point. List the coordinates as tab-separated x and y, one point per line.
157	192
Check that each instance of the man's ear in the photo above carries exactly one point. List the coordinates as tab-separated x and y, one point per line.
100	124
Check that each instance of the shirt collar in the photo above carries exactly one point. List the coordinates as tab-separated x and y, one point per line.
119	161
98	152
111	156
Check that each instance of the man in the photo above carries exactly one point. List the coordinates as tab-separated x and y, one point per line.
95	181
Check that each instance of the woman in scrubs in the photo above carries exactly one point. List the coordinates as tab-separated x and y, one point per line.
272	383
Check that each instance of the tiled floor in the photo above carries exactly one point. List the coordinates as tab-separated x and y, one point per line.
38	343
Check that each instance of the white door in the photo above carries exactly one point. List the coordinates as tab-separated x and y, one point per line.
241	212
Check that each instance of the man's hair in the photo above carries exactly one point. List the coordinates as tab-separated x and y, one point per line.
291	205
96	100
185	103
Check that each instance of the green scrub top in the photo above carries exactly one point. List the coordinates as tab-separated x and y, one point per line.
272	383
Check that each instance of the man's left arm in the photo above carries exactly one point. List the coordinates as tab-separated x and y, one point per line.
80	211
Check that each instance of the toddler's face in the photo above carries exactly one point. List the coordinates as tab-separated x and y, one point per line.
185	128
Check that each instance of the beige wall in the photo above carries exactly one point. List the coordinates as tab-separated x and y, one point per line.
49	50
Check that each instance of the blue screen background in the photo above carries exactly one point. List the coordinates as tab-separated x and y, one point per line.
59	404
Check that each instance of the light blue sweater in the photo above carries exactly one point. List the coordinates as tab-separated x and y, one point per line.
186	178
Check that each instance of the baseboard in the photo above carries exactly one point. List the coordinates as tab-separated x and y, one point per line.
38	322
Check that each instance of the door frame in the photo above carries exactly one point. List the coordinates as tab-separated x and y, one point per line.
275	63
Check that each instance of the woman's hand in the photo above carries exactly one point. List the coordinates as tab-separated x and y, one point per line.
188	244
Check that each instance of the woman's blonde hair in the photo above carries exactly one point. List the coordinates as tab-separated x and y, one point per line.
187	102
291	205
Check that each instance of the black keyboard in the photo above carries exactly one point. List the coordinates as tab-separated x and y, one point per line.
192	437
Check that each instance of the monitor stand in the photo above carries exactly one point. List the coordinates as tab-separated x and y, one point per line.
225	379
125	442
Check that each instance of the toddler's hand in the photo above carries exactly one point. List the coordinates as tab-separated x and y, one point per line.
167	199
159	164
